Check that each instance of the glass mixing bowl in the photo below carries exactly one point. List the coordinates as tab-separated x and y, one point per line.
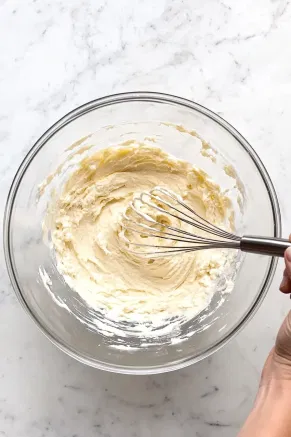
31	265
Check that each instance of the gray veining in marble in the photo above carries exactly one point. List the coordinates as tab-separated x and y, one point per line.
233	57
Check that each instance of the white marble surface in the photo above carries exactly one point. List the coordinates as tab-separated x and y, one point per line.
233	57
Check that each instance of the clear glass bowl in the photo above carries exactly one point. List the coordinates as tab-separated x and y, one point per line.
135	115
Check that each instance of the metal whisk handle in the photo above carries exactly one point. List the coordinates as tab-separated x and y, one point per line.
264	245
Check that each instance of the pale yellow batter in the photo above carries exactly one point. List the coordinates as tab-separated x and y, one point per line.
88	235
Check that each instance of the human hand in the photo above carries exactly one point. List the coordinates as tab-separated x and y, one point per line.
285	286
278	364
270	416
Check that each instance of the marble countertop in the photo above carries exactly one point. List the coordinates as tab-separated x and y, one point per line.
233	57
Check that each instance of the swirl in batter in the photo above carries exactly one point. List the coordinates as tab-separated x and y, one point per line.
89	244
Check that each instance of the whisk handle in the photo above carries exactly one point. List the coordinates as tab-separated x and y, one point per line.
264	245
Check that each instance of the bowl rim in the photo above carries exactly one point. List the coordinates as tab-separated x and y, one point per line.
140	96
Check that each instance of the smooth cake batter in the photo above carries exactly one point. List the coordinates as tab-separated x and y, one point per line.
88	237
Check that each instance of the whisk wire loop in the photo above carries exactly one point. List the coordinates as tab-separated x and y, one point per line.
159	199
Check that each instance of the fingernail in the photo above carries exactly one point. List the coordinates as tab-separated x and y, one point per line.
288	254
284	283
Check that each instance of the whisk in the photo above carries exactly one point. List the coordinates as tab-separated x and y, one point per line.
138	219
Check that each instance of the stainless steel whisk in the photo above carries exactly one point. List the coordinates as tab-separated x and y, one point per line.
170	204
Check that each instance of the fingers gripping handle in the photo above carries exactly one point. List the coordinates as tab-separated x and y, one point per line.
264	245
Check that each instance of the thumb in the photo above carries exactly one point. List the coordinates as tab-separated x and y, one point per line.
285	286
287	257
